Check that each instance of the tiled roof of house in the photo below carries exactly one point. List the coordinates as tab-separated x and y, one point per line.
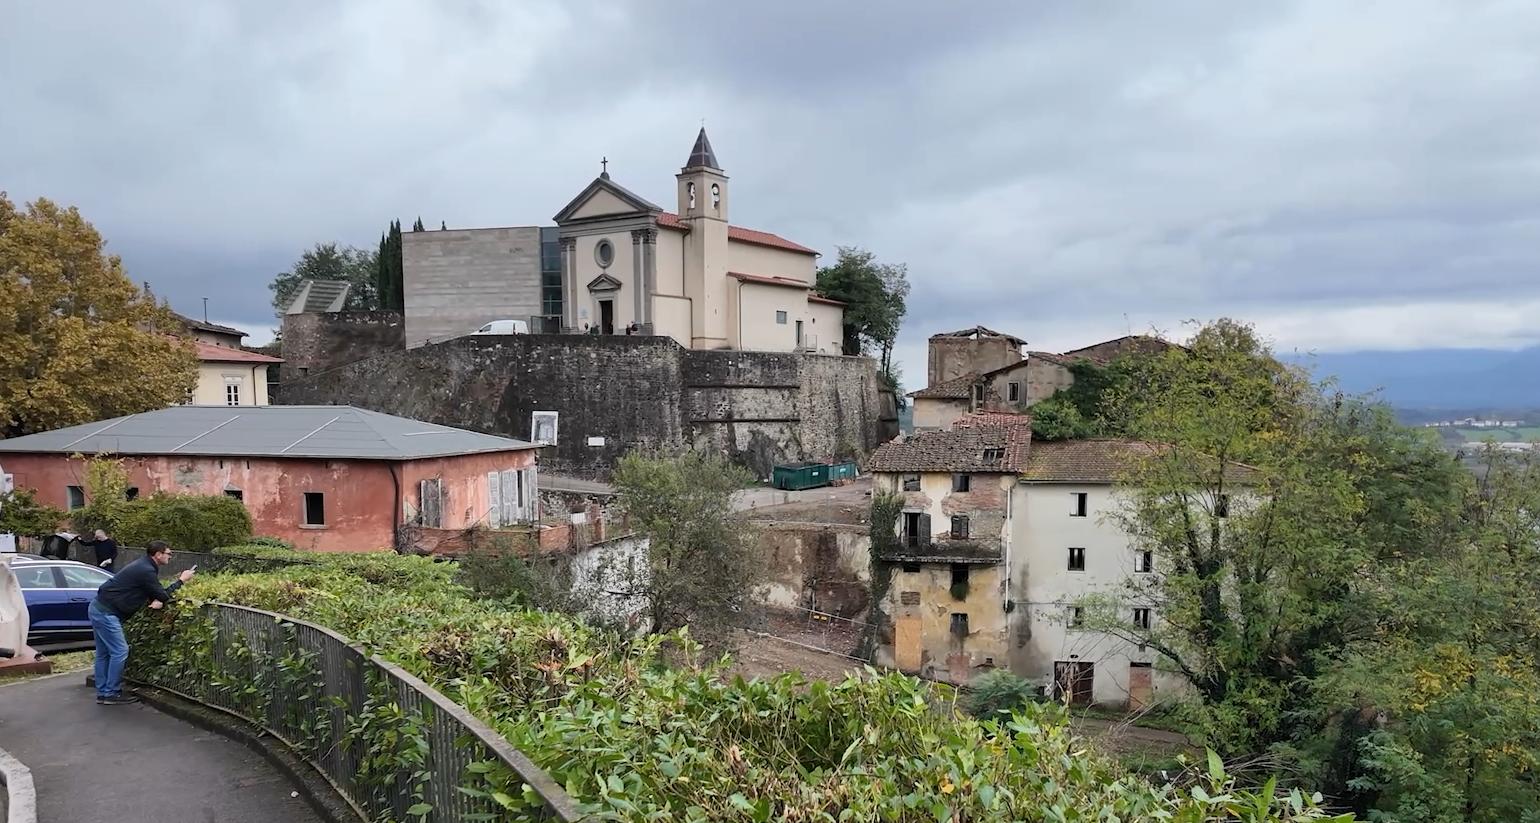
1107	350
769	280
818	298
1051	357
980	331
955	389
958	450
1084	461
200	325
340	432
669	220
211	353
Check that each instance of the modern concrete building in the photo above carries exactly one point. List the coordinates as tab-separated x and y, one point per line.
327	478
457	280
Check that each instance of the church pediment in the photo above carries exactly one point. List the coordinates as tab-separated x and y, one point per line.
604	198
603	282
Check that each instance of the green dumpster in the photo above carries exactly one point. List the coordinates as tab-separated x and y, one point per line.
843	470
795	476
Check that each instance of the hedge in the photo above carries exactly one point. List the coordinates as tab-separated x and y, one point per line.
189	522
640	729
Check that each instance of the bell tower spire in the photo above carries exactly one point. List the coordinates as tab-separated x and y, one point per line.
702	184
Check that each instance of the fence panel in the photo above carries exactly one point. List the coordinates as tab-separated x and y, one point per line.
312	689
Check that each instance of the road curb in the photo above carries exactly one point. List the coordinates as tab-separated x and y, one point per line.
21	797
318	793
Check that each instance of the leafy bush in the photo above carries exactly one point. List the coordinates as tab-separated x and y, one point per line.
20	513
634	739
189	522
998	692
270	542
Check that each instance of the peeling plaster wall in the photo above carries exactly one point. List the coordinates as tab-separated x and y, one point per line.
822	567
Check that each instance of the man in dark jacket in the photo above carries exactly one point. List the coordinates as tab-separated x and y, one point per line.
133	588
106	550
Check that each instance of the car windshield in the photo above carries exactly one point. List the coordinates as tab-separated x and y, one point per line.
487	327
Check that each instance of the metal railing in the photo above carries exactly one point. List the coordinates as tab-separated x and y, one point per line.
312	689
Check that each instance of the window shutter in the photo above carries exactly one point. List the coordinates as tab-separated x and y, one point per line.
495	499
510	496
925	536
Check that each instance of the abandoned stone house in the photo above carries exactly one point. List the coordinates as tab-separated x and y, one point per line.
1001	539
980	369
616	263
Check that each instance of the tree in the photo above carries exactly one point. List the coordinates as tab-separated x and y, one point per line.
388	279
874	295
1264	502
20	513
329	262
417	224
702	563
79	341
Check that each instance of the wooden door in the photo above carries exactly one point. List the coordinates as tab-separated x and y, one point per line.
1076	679
906	642
1140	688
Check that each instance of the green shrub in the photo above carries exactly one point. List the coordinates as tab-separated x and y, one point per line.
20	513
270	543
634	739
188	522
997	693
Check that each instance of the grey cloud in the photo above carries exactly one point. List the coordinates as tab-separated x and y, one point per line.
1043	168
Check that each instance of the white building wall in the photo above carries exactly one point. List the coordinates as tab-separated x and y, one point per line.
1044	528
213	378
751	258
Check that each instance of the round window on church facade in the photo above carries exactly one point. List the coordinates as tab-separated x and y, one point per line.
604	253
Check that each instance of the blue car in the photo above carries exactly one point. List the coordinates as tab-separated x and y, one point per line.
58	593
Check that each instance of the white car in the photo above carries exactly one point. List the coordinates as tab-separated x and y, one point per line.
504	327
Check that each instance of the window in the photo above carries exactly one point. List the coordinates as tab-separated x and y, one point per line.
911	482
131	493
911	568
1080	504
1013	391
689	189
430	503
1222	506
604	253
76	497
1076	617
993	455
35	577
1142	618
232	391
960	482
315	509
914	529
780	318
959	527
235	494
716	196
978	393
1077	559
1144	562
84	577
959	624
959	574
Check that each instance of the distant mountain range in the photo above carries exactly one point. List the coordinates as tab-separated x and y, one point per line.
1463	380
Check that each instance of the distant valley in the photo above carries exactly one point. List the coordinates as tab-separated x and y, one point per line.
1436	384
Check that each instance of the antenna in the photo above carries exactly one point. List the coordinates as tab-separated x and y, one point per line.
205	310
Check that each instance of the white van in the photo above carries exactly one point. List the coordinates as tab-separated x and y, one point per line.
504	327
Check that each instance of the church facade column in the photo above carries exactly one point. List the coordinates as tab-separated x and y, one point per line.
569	298
650	276
639	295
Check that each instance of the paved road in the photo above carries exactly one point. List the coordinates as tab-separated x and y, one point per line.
132	763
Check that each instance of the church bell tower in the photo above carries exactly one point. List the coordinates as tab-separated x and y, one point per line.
703	211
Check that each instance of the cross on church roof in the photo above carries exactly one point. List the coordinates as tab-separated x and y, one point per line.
604	167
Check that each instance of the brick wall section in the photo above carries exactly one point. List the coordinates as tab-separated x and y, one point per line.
319	341
762	407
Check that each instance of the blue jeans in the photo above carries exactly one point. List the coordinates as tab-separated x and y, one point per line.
111	651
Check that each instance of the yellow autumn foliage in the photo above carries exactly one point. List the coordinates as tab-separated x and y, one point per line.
78	340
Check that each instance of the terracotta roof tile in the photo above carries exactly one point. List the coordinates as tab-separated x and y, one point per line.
1084	461
669	220
769	280
957	388
210	353
957	450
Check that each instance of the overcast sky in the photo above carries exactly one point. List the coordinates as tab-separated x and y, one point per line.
1344	175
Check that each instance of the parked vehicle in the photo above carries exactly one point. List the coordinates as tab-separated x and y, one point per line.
504	327
58	594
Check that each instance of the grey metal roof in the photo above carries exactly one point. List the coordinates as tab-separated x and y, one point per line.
319	296
340	432
701	155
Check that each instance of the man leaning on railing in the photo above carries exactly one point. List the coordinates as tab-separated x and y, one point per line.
133	588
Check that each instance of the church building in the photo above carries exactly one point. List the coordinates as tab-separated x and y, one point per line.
690	274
